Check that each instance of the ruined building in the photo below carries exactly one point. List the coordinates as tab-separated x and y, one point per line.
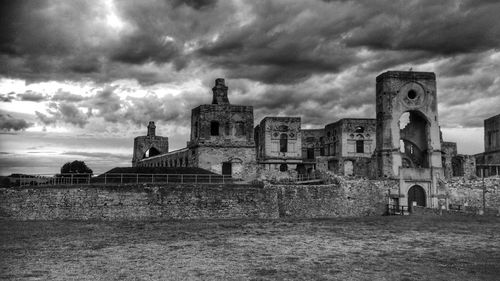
408	145
403	142
490	159
278	143
149	145
221	139
349	145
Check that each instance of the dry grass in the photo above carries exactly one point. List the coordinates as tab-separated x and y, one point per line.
375	248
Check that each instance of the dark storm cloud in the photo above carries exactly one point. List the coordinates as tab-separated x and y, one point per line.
195	4
8	122
439	27
65	112
45	119
107	103
32	96
66	96
268	41
275	45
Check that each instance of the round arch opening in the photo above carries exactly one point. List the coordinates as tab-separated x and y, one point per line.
416	194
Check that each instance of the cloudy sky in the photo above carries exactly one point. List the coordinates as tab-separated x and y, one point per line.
80	79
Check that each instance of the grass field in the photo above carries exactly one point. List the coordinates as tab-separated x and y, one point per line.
373	248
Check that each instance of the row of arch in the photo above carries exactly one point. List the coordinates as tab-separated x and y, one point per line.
170	163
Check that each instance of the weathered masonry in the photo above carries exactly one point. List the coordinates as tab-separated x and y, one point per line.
491	156
408	137
149	145
402	143
278	142
221	139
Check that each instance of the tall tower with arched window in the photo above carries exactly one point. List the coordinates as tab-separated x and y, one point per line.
408	145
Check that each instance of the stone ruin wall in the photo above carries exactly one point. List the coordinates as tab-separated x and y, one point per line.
141	202
341	197
138	202
469	192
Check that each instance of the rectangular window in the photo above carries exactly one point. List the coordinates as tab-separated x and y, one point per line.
310	153
360	147
284	143
226	168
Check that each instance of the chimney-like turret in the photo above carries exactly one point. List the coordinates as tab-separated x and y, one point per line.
151	129
220	92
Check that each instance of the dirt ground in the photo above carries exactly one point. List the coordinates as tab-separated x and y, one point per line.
372	248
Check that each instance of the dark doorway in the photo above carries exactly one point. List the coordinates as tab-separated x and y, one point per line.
416	194
227	169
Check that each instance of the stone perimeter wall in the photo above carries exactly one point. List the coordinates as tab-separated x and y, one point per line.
341	198
138	202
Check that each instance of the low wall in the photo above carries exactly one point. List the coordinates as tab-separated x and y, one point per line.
469	192
150	201
342	198
137	202
349	198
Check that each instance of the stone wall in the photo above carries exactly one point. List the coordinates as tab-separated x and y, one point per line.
347	198
469	192
138	202
342	197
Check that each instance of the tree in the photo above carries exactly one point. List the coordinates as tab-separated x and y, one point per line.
76	167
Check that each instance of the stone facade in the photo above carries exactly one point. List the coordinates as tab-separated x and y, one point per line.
349	145
279	143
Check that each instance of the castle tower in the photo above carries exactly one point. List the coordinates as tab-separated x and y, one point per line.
220	92
408	144
222	135
149	145
151	129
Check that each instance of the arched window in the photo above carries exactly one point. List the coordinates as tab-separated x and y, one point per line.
283	143
195	134
214	128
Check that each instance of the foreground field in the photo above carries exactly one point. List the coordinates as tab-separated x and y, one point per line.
375	248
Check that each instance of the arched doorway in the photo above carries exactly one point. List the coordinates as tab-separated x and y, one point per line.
416	194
